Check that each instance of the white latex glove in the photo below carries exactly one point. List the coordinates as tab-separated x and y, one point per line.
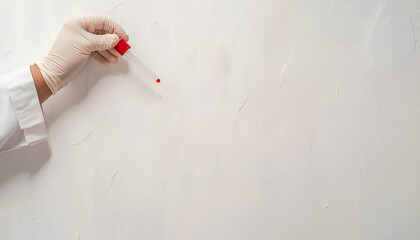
78	39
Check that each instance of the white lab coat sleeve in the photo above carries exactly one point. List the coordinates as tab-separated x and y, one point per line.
21	118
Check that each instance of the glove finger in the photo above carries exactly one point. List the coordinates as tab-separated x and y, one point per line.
97	23
101	59
109	56
114	52
102	42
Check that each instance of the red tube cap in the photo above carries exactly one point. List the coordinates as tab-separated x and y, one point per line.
122	47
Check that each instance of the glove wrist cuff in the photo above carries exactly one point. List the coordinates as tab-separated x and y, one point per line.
52	81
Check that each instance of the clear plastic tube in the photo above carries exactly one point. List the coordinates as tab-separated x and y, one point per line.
144	75
141	69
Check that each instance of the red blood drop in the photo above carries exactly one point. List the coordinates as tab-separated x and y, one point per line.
158	80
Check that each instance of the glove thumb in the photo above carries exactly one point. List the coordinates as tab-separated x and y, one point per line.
104	42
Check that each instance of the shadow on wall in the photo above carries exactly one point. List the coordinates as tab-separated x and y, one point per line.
79	87
29	159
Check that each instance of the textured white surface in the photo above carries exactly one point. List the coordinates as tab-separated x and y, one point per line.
278	120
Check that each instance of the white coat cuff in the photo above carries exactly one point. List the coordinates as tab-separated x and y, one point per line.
25	101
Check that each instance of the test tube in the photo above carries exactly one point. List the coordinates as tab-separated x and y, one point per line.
144	74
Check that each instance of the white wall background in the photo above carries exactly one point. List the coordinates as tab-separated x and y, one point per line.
280	119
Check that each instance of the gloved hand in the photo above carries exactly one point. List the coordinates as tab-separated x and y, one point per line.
78	39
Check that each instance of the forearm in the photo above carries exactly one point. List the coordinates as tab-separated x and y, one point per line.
42	88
